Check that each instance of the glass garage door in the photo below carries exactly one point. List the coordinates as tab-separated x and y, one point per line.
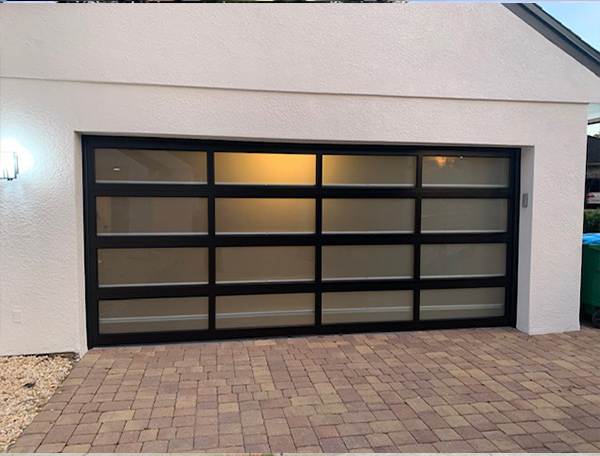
193	240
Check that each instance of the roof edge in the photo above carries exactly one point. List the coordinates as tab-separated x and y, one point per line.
558	34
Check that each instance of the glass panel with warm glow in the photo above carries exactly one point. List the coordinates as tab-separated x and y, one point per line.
466	215
265	215
265	264
150	166
138	215
370	262
152	266
367	306
264	169
365	170
366	215
461	171
153	315
463	260
462	303
258	311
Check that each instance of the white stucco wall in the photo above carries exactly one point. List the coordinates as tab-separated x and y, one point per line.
402	73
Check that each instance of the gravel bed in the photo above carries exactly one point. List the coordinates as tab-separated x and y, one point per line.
26	384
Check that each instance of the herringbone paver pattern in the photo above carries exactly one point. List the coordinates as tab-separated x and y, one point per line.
483	390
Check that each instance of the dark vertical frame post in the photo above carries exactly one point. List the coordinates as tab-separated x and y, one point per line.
91	248
417	243
512	253
212	234
319	244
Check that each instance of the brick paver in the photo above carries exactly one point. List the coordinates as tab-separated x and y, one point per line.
474	390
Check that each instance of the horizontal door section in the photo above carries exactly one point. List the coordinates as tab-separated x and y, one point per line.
369	170
465	215
448	304
368	215
264	169
152	266
446	261
460	171
265	310
192	240
127	216
153	315
265	264
367	262
265	215
367	306
150	166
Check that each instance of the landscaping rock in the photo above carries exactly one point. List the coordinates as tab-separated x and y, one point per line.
26	384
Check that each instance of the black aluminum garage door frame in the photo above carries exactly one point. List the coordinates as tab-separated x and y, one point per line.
211	191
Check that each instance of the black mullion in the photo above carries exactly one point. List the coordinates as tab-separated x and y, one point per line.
464	192
319	244
464	152
153	241
411	238
149	190
417	242
187	336
131	142
153	291
250	288
150	143
91	247
264	191
212	251
299	191
289	191
256	240
410	284
462	238
512	248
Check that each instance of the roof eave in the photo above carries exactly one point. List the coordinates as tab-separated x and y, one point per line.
558	34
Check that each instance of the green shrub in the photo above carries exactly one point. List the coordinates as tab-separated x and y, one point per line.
591	221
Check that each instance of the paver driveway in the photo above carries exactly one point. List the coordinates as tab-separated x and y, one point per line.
481	390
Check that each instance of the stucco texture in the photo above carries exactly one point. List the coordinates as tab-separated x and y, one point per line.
385	74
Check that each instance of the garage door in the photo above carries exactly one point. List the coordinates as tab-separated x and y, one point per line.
192	240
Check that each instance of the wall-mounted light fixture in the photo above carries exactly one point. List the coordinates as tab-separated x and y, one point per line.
9	165
14	158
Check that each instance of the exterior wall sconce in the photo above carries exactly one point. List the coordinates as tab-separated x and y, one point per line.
14	159
9	165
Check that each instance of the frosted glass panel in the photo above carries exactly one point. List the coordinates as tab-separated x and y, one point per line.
462	303
273	169
257	311
369	170
465	172
365	215
155	166
151	315
124	267
125	215
348	262
265	215
463	260
265	264
467	215
367	306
